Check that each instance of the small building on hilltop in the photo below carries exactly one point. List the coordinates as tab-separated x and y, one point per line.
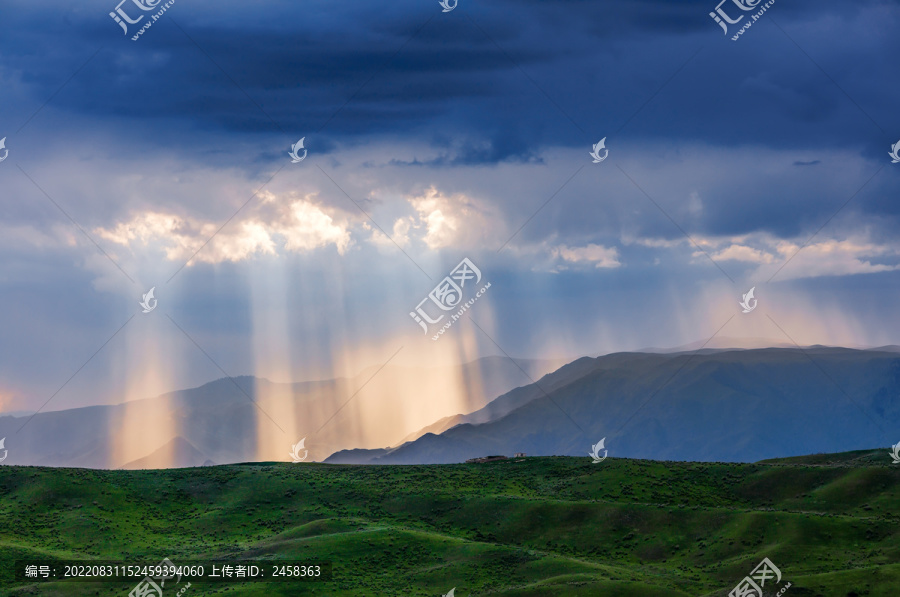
485	459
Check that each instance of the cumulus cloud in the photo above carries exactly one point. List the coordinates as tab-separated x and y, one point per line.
452	220
745	253
399	234
551	256
309	227
825	257
297	225
597	255
837	258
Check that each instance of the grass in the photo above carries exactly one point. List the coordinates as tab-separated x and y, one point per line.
526	528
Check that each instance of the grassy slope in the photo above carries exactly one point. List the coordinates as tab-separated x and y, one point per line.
537	527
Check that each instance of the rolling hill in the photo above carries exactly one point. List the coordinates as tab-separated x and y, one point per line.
532	527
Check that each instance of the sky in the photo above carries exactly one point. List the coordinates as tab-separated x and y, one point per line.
431	137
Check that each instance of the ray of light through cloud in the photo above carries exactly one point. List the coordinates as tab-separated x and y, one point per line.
428	142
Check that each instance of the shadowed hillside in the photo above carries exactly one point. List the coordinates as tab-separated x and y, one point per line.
712	405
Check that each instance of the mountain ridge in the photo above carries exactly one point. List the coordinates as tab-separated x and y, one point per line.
246	418
704	406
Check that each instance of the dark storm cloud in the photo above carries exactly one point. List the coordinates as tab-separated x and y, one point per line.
484	84
537	66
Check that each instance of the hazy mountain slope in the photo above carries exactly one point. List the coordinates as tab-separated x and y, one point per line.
724	343
255	419
725	406
536	386
178	452
493	410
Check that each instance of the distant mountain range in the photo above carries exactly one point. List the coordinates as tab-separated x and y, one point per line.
252	419
712	405
707	405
